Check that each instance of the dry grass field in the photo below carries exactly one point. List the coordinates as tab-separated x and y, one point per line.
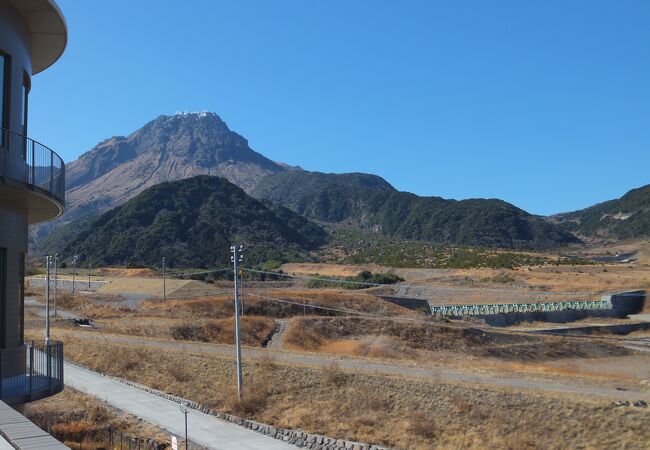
399	412
81	421
390	409
596	278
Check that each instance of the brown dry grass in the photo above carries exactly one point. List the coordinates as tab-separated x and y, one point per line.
254	331
331	270
403	413
386	338
331	298
80	421
116	272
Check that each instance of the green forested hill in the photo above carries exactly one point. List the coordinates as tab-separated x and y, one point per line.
326	197
623	218
192	223
373	204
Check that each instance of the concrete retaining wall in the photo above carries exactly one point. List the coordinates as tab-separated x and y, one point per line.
626	303
623	304
411	303
66	285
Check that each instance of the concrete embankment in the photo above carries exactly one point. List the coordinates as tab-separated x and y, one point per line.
65	284
622	304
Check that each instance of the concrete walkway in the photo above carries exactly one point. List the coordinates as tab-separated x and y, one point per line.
39	309
203	429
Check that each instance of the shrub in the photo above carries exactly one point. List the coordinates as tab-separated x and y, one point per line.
421	425
334	376
177	370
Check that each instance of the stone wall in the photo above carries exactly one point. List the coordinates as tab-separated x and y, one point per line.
66	284
294	437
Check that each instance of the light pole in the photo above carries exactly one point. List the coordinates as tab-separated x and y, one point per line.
56	282
74	270
236	257
164	284
47	298
185	410
241	286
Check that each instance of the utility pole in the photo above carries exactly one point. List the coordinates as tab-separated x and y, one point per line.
56	282
241	286
164	284
47	298
88	276
185	410
74	270
236	257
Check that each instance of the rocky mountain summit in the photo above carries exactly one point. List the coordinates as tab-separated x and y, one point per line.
165	149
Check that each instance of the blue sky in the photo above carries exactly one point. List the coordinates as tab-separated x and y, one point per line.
543	104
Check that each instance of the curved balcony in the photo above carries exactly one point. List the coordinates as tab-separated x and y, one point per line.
34	175
31	372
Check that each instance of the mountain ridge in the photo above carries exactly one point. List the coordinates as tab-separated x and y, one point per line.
193	222
363	200
622	218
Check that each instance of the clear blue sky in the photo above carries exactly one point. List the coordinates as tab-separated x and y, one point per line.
544	104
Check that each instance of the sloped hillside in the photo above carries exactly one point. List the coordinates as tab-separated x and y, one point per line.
623	218
192	223
371	203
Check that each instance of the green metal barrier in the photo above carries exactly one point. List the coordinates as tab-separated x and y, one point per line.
504	308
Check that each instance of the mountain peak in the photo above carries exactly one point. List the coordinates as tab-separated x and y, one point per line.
199	114
169	147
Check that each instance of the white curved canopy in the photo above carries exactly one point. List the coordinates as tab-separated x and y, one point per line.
49	32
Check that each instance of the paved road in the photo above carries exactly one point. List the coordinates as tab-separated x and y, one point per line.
203	429
583	388
39	309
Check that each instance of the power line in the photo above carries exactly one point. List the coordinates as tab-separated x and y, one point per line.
449	288
313	278
311	305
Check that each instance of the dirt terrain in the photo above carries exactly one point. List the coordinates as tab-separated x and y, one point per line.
81	421
523	284
349	364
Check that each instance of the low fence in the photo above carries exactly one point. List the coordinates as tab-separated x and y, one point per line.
116	440
29	162
31	372
505	308
619	305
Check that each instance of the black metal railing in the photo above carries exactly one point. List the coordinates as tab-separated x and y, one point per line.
117	440
29	162
31	372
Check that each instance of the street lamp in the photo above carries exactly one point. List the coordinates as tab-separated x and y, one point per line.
164	284
75	258
237	256
48	263
56	282
185	410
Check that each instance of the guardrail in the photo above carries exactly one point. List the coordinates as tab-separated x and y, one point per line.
31	372
503	308
31	163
